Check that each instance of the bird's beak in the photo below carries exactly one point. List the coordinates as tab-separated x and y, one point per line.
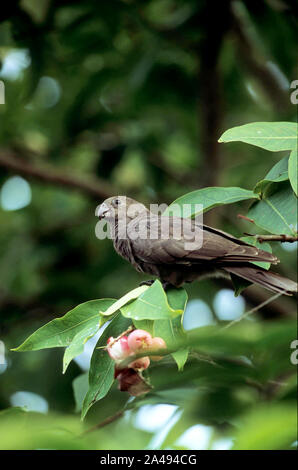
102	210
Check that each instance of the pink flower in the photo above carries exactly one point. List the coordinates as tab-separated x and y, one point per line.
139	340
118	350
157	343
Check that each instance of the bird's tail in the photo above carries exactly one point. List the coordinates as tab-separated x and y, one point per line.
268	279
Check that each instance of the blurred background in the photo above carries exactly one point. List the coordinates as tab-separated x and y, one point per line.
126	97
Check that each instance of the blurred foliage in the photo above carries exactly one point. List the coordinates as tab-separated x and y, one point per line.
132	97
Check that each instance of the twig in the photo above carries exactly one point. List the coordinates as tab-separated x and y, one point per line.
210	88
255	296
129	329
266	302
96	188
240	216
103	423
257	64
274	238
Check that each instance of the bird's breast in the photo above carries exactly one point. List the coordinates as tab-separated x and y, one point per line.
124	249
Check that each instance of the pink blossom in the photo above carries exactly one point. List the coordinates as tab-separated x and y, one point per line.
118	350
139	340
157	343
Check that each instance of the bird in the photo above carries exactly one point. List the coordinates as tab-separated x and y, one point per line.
155	244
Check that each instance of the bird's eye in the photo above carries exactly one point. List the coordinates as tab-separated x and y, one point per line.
116	202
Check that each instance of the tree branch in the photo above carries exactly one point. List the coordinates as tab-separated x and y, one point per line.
254	296
252	310
274	238
240	216
209	88
256	63
94	188
105	422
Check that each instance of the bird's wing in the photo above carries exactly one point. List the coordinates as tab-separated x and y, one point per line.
167	241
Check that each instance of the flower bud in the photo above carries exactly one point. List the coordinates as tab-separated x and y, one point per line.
139	340
157	343
118	350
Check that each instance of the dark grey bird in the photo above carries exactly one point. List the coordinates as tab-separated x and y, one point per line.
156	244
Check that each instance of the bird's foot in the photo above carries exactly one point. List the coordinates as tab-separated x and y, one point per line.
147	283
165	284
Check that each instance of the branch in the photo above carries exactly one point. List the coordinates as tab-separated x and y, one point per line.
209	93
209	88
249	53
240	216
254	309
105	422
95	188
274	238
254	296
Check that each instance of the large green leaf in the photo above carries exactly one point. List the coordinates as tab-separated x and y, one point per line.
224	357
80	387
133	294
278	173
268	427
277	211
244	338
274	136
293	173
209	198
146	325
101	374
172	330
61	331
76	347
25	430
151	305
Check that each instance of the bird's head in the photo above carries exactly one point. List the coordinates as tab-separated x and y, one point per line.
119	208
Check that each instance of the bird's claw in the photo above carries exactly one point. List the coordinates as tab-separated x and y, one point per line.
147	283
166	285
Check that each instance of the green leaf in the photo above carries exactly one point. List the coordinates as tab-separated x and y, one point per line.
262	246
61	331
133	294
293	173
274	136
146	325
239	284
76	347
277	211
151	305
209	198
177	298
101	374
80	387
261	429
172	330
180	357
278	173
